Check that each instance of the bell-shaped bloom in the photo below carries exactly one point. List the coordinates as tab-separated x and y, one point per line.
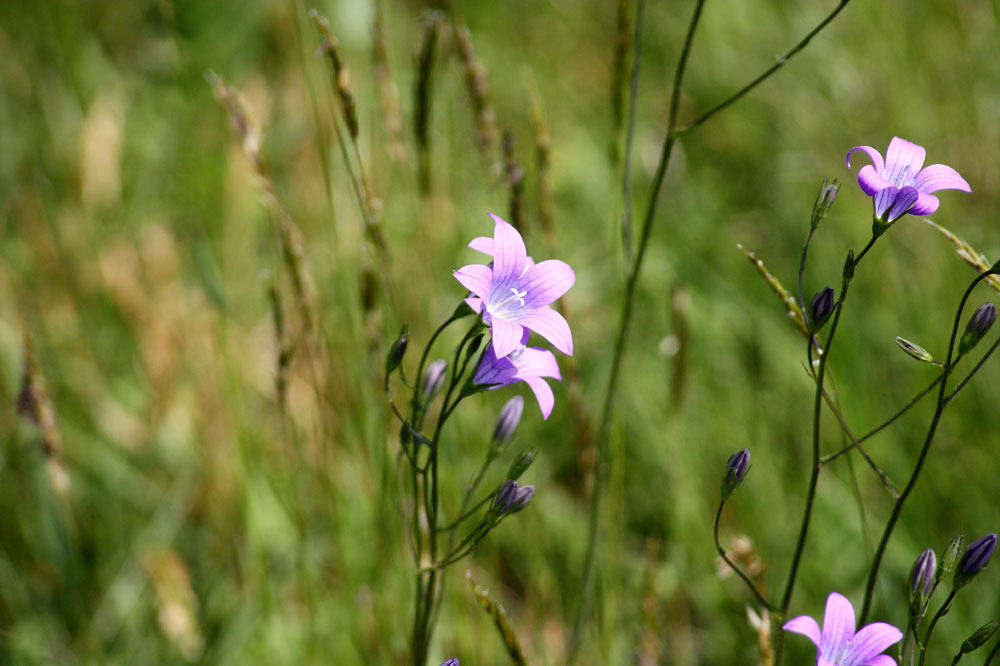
899	185
524	364
514	293
838	644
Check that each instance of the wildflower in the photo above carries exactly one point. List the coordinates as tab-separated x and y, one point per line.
839	644
736	469
975	558
524	364
899	186
451	662
922	580
507	421
514	293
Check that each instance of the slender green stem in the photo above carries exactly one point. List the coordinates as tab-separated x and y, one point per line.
621	339
630	132
975	369
897	508
732	565
945	607
993	653
781	62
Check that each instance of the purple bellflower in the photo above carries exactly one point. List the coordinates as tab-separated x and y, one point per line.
899	185
524	364
838	644
514	293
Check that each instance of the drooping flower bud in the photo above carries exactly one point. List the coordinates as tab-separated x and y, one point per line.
950	557
433	379
922	580
521	464
982	635
824	201
507	421
396	352
974	559
451	662
736	469
978	325
820	309
915	351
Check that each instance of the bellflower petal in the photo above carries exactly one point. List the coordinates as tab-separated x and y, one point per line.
509	254
547	281
838	644
476	278
898	185
838	624
903	160
482	244
940	177
543	394
550	325
881	660
805	625
871	641
871	181
506	336
873	155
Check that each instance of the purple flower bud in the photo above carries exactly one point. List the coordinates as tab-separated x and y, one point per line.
982	635
507	421
977	327
504	498
433	379
974	559
451	662
736	469
521	499
922	580
396	352
820	308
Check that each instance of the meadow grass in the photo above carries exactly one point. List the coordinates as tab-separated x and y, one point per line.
211	326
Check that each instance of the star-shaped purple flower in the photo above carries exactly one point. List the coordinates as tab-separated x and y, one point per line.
524	364
514	293
839	644
899	185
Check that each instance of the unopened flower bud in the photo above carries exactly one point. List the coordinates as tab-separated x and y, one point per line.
521	464
950	557
451	662
396	352
521	499
982	635
977	327
974	559
820	309
915	350
824	201
433	379
922	580
849	267
507	421
504	498
736	469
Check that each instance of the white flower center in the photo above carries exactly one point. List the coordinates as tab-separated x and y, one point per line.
512	302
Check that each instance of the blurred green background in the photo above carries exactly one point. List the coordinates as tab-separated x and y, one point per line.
190	518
